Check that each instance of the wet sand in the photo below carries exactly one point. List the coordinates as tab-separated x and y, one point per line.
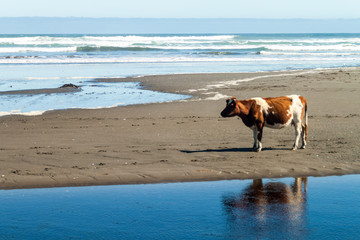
186	140
62	89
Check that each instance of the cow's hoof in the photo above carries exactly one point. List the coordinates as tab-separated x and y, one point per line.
294	148
258	150
302	147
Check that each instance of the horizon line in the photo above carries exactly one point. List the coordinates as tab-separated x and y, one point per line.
185	18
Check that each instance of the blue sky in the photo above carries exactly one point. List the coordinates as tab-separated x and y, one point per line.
314	9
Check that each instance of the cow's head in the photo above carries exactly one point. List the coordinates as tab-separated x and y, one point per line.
231	108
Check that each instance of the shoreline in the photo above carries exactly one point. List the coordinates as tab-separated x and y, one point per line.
186	140
153	83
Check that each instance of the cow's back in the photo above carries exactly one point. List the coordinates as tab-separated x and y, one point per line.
279	112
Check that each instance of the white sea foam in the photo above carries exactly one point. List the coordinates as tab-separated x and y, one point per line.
18	112
229	83
66	44
307	40
166	59
133	39
320	54
121	41
339	47
42	78
35	113
36	49
216	96
68	78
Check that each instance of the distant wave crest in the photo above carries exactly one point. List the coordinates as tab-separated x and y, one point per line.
112	49
68	49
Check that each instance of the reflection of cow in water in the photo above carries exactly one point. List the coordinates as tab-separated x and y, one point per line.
262	210
259	194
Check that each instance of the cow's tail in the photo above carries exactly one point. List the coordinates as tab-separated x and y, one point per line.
306	121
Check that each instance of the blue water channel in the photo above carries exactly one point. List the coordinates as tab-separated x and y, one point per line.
289	208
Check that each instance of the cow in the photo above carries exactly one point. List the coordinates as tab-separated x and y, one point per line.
277	112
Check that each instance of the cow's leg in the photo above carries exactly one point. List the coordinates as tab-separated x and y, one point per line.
303	136
297	135
259	137
255	133
258	130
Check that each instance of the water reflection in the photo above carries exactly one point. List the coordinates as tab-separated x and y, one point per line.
271	210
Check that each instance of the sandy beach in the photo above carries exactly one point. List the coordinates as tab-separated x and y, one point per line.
186	140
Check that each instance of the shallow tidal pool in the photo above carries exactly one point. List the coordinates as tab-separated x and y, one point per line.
288	208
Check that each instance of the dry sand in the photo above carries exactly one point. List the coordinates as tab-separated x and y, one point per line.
186	140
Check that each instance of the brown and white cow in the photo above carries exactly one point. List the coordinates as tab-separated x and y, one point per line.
278	112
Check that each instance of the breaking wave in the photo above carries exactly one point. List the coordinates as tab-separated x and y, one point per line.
112	49
42	49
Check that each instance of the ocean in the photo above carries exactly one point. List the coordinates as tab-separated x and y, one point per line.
49	61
